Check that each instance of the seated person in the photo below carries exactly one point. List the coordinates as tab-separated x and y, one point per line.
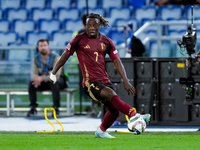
43	63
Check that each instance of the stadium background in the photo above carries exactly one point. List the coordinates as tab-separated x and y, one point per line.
24	22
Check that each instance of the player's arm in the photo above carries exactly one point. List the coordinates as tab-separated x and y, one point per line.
61	61
120	68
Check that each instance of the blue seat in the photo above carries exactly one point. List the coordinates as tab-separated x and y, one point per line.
196	9
170	12
62	38
163	51
117	37
23	26
55	4
123	13
145	13
177	27
112	3
35	4
49	25
1	14
110	20
120	23
73	25
22	55
81	4
8	37
33	37
72	13
46	13
4	25
176	33
13	14
10	4
152	26
97	10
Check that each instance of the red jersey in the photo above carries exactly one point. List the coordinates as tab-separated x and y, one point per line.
91	55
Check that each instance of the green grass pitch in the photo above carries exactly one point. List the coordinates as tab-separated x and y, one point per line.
87	141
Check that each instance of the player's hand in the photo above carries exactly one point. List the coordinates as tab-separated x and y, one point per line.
53	78
129	88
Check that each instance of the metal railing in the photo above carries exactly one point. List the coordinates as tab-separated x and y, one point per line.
161	37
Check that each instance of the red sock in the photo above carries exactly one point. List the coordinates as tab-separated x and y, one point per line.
122	106
108	120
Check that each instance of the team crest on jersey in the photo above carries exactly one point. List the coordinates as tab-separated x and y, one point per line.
68	46
103	46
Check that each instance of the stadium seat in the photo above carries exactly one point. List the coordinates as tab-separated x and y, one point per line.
8	37
112	3
120	23
176	34
117	37
35	4
97	10
46	13
13	14
82	3
1	14
170	12
145	13
123	13
55	4
4	25
62	38
72	13
49	25
110	21
23	26
10	4
163	51
33	37
196	14
73	25
22	55
177	27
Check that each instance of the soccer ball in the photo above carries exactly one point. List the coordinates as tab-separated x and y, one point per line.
136	124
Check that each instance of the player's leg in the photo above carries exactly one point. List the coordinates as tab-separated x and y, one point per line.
110	95
109	118
93	91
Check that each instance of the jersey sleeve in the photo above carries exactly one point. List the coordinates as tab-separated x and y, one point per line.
71	46
113	53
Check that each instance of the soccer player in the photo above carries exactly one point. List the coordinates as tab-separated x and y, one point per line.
91	48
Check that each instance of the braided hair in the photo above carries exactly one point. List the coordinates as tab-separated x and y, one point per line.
103	22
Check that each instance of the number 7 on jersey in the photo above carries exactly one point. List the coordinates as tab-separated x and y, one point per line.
96	53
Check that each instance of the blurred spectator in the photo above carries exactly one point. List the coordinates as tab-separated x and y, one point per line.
136	46
43	63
